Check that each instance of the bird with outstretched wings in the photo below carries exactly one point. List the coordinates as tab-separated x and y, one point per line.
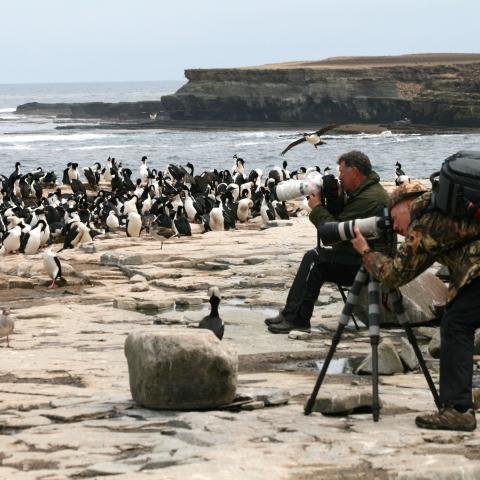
313	138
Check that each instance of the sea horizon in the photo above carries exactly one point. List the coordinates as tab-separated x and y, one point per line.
15	94
89	82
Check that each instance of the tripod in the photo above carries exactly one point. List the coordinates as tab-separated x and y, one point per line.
395	298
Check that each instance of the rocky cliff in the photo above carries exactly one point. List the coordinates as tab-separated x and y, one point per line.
441	89
429	89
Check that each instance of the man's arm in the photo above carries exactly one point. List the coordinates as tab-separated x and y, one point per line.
395	271
320	214
366	204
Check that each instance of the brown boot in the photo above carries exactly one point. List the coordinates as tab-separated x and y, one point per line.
448	419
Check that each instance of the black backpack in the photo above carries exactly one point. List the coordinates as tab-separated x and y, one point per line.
456	187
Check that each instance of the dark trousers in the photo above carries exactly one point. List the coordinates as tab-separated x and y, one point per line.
458	326
317	266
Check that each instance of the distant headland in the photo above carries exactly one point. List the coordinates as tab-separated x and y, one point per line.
410	92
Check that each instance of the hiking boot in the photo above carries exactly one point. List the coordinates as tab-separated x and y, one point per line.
276	319
448	419
286	326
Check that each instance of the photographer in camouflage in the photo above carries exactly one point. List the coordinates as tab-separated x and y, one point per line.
431	235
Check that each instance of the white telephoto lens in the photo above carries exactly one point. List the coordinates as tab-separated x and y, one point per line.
299	188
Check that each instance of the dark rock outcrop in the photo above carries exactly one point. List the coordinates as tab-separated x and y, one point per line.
113	111
420	88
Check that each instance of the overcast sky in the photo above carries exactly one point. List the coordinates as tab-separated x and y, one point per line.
116	40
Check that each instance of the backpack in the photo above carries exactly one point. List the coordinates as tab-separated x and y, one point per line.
456	187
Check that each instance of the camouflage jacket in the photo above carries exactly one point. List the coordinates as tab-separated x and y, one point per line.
432	236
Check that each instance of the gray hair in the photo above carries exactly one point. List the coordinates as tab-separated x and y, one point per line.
358	159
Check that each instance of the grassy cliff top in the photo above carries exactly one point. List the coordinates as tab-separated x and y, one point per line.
377	61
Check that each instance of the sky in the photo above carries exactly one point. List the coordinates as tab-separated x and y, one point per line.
135	40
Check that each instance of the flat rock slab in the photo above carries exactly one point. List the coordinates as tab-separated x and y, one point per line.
269	396
212	266
81	412
343	402
20	283
254	260
299	335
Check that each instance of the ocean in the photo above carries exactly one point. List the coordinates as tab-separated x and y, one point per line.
34	140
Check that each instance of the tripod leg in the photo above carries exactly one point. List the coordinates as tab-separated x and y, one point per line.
360	280
323	372
344	297
374	341
374	331
423	366
396	301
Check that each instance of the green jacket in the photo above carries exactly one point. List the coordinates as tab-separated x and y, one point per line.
432	236
363	202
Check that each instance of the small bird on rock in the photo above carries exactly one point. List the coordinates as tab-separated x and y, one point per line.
7	324
213	321
401	176
53	267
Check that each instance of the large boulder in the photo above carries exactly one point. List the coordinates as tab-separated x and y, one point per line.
389	362
179	369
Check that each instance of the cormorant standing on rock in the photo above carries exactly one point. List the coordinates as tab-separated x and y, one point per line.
181	223
401	177
213	321
134	224
52	266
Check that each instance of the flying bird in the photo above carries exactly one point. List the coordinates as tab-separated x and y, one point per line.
312	138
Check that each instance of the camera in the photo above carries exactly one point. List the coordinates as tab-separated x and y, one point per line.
299	188
371	227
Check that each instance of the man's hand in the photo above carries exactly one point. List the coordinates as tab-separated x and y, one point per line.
359	242
314	199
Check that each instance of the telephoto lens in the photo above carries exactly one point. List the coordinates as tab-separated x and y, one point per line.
299	188
371	227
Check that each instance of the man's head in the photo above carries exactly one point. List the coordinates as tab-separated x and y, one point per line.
401	200
354	168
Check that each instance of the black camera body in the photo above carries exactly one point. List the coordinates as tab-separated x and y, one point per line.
332	195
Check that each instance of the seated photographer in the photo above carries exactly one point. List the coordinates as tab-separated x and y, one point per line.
431	235
363	196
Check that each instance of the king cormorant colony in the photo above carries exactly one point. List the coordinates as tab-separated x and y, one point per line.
38	208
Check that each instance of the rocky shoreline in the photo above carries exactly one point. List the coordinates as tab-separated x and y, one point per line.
66	410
